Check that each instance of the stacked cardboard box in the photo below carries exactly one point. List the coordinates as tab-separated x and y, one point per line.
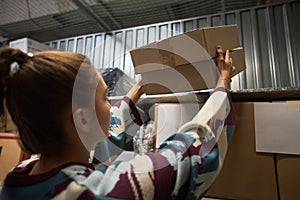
185	62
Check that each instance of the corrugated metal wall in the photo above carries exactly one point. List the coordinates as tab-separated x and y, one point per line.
269	35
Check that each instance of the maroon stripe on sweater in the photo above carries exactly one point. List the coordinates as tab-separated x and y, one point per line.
137	118
136	115
164	176
122	188
136	183
86	195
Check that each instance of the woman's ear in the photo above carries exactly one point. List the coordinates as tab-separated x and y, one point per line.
81	119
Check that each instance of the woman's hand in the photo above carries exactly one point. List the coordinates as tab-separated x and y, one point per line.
226	68
136	91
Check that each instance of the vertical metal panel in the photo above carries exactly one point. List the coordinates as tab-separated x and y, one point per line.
294	27
275	78
175	29
163	32
140	40
230	18
62	45
280	51
70	45
79	45
263	65
257	77
129	44
277	44
89	47
202	22
119	50
53	45
188	25
151	34
169	29
247	44
98	46
287	31
217	20
241	81
269	35
107	54
280	47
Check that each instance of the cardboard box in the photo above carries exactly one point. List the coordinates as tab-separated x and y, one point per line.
10	153
245	174
288	176
184	62
28	45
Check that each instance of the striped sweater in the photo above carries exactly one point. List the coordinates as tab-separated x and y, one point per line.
183	167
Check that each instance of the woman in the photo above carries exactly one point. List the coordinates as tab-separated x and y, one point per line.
58	102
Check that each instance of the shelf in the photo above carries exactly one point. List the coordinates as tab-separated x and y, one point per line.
246	95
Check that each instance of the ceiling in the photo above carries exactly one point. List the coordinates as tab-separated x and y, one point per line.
46	20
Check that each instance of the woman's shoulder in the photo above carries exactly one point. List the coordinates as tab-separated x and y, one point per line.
20	175
69	179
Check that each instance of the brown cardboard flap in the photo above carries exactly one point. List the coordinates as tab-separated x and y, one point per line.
226	36
238	60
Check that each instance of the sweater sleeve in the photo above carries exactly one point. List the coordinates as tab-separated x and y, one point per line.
212	127
123	115
124	122
184	166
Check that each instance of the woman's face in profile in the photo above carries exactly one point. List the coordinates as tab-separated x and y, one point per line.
102	106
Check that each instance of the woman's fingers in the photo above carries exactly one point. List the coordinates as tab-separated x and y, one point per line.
224	64
220	52
233	69
227	58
